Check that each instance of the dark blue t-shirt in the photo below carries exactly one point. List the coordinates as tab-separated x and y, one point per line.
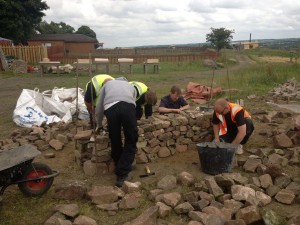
167	102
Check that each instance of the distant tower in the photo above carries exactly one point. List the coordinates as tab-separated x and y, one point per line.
250	37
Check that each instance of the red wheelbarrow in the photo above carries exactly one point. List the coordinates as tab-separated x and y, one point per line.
16	167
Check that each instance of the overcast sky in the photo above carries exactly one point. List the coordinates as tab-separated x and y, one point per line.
126	23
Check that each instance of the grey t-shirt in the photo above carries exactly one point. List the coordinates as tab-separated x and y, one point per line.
114	91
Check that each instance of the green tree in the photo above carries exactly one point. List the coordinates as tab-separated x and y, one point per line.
220	38
54	28
86	31
19	18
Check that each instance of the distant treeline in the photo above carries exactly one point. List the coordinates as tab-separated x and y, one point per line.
287	43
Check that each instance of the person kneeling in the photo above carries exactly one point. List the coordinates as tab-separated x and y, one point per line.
231	123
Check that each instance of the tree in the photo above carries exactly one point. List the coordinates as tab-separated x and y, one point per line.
19	18
54	28
86	31
220	38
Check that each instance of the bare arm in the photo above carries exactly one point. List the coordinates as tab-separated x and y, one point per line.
167	110
240	135
99	112
185	107
216	128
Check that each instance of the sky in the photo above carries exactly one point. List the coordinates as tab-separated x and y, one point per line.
129	23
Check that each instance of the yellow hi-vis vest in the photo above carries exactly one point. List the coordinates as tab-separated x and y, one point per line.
141	87
98	83
234	109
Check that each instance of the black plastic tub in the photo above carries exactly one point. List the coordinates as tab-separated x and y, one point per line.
216	158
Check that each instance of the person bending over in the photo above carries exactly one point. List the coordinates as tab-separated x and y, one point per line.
231	123
117	103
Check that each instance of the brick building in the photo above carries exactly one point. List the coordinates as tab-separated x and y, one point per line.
59	45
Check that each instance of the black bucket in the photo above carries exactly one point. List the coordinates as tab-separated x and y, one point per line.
216	158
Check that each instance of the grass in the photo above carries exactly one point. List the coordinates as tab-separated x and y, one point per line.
266	52
260	79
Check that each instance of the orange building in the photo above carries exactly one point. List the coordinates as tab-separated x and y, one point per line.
250	45
59	45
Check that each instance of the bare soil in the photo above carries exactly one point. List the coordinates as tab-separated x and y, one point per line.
17	209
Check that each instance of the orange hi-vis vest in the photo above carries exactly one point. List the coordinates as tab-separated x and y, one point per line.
234	109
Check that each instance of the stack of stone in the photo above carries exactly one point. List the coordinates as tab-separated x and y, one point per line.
166	135
93	152
54	136
159	137
282	137
287	91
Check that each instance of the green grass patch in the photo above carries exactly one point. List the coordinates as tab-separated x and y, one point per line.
259	79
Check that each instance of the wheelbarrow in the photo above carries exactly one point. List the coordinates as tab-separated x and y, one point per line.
16	167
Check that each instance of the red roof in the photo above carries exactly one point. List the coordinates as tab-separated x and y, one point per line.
63	37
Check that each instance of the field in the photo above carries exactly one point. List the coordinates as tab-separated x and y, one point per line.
250	73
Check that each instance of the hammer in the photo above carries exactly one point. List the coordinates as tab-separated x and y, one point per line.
148	172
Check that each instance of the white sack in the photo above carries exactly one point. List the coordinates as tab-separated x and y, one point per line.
34	108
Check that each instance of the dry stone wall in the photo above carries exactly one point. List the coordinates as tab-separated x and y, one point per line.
159	137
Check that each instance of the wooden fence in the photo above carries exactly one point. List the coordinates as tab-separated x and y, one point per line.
138	59
35	54
151	51
30	54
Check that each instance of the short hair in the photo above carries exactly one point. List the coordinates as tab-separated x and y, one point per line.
150	97
175	89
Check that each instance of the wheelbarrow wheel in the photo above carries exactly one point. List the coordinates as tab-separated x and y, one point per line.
36	187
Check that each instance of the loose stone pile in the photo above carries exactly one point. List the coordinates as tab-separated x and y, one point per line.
287	91
224	199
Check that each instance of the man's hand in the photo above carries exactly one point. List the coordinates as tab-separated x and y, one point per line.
217	140
176	111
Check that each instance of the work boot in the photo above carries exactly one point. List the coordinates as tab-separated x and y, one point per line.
239	150
121	179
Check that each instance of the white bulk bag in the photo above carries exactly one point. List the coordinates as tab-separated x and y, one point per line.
31	109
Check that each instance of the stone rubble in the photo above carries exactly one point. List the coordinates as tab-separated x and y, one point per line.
228	198
287	91
223	199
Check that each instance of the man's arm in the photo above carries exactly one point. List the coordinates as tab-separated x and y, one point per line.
183	104
240	135
241	126
216	128
99	112
185	107
89	95
167	110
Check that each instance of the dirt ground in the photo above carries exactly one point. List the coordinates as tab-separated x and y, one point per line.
69	171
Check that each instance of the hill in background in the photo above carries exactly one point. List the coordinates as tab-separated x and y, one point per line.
287	43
